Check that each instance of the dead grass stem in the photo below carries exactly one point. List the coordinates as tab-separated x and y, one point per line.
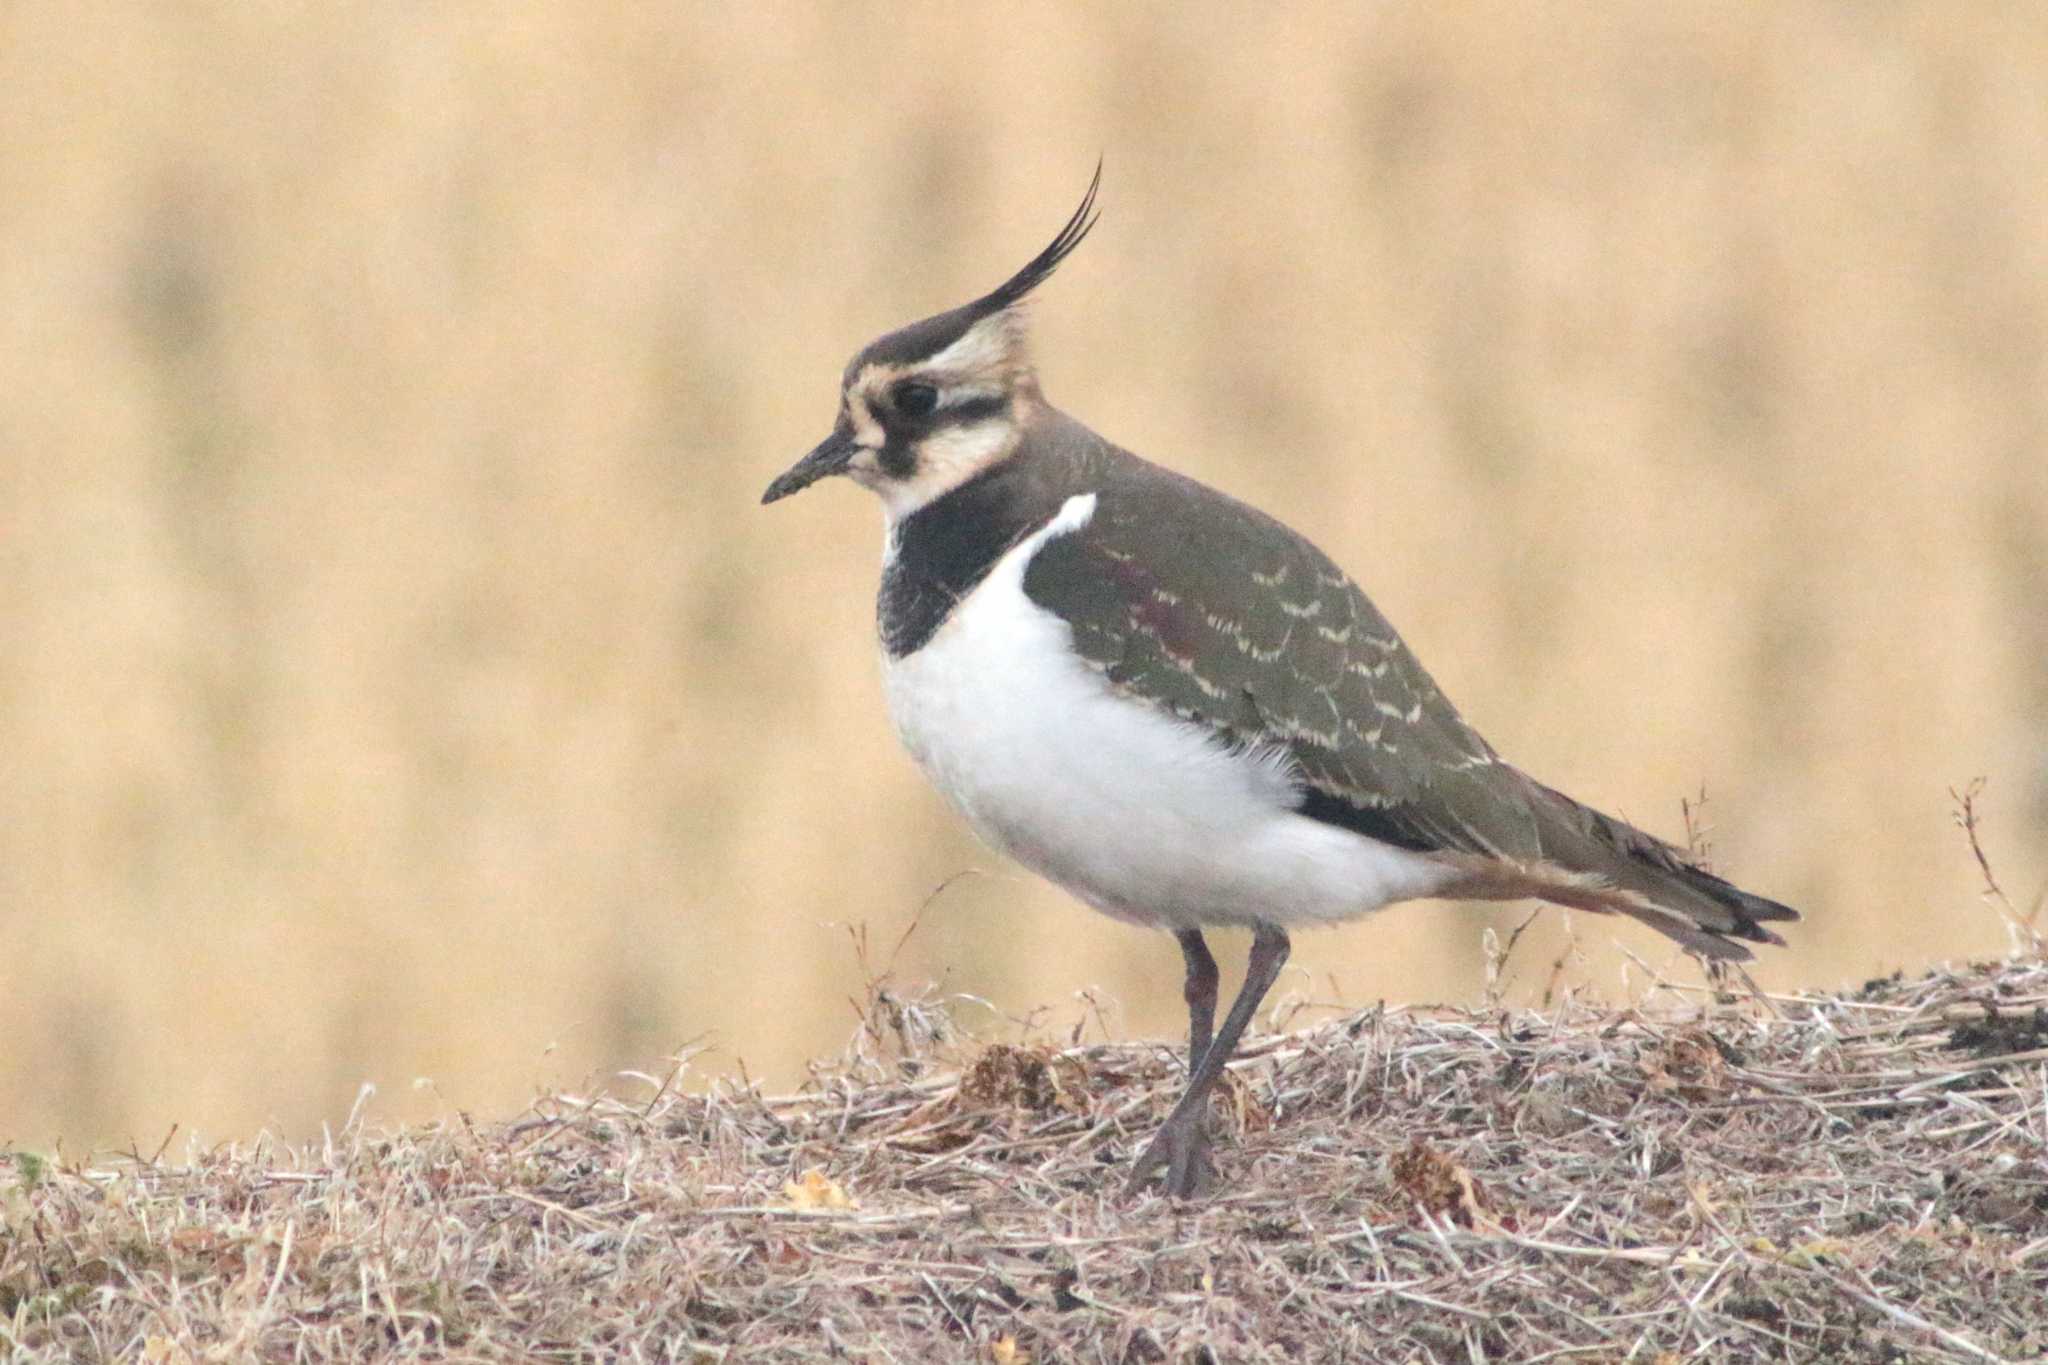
1854	1176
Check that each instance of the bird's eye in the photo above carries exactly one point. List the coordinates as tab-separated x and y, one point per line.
913	399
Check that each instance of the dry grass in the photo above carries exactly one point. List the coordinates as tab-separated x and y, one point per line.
1859	1177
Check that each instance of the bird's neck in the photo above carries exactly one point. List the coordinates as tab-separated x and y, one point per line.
936	554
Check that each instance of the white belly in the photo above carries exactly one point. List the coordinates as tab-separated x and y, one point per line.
1140	815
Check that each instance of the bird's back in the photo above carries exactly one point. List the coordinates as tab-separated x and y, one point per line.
1217	614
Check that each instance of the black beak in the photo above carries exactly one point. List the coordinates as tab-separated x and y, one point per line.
831	456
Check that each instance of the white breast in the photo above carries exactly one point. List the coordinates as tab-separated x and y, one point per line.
1140	815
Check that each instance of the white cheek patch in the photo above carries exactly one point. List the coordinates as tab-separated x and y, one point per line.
866	430
946	459
960	394
988	345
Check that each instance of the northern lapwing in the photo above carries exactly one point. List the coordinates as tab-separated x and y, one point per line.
1174	706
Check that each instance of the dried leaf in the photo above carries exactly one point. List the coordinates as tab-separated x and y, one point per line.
1442	1187
816	1192
1032	1079
1689	1064
158	1350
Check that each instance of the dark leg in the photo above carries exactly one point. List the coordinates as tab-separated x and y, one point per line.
1199	992
1182	1140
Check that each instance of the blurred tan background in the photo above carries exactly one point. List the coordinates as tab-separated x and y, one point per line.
398	679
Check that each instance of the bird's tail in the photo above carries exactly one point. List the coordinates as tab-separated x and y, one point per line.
1592	861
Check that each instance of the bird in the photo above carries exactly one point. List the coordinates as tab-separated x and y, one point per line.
1177	708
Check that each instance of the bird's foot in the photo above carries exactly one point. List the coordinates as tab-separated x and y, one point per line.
1182	1146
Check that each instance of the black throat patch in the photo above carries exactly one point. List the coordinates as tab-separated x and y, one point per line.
945	548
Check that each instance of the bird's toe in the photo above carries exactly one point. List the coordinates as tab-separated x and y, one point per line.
1181	1146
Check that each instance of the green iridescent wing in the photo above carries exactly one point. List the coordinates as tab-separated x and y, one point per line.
1217	614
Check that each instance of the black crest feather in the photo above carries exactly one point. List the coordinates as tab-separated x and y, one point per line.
1036	271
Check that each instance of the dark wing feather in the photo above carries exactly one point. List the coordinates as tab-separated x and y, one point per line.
1216	613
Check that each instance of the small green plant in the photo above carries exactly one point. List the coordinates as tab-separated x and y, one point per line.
30	1169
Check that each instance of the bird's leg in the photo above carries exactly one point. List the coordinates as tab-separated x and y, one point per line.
1199	992
1181	1145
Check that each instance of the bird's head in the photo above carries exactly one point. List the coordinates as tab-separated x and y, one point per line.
925	408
